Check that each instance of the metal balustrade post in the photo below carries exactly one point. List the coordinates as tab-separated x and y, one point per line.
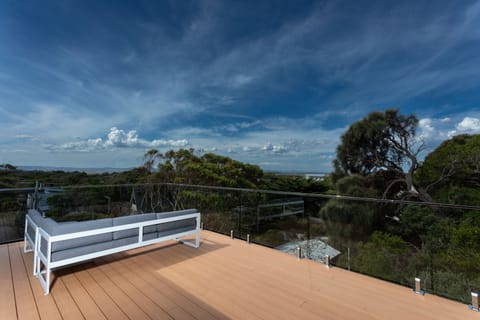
418	287
348	258
474	305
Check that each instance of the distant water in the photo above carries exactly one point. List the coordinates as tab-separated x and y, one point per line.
70	169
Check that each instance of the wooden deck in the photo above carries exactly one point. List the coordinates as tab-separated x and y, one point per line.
223	279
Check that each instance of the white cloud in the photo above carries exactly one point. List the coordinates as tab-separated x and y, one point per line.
82	146
451	133
117	138
426	129
432	131
274	148
236	127
120	138
169	143
276	144
469	124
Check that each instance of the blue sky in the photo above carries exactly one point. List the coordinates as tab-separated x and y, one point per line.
274	83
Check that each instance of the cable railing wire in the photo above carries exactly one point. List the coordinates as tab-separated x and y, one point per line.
284	193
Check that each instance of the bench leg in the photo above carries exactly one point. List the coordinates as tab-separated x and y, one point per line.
197	233
45	281
26	247
26	240
195	244
36	258
35	263
197	239
47	287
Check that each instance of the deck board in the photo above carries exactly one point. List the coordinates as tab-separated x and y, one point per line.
154	290
7	302
244	288
107	305
272	287
223	279
66	304
240	289
126	303
26	305
84	301
186	300
47	308
138	296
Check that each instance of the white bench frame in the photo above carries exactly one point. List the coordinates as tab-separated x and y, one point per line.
40	259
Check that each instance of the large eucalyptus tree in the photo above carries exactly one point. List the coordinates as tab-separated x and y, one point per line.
383	143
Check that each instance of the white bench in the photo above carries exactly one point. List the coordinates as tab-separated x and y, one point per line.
58	244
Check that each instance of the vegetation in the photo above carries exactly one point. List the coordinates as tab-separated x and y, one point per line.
183	166
452	172
178	167
383	142
8	167
377	158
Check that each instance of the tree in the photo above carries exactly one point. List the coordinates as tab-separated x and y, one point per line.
149	159
183	166
351	220
8	167
278	182
451	173
386	256
383	141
